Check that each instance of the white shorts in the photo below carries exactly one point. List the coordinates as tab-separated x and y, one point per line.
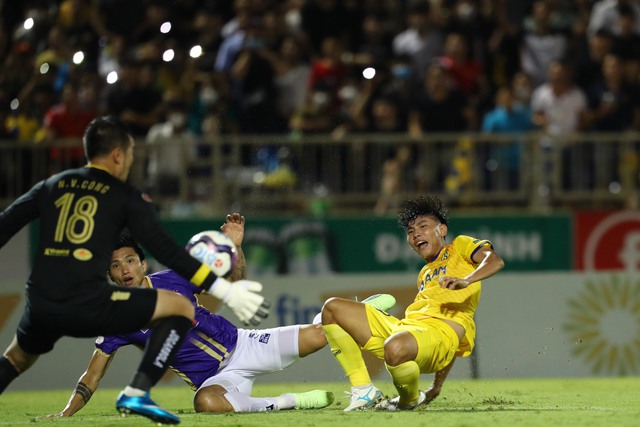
258	352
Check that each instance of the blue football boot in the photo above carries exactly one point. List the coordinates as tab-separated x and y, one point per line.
143	405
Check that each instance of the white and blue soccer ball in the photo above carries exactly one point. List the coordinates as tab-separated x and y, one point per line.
215	250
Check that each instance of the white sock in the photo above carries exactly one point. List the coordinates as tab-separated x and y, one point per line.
318	319
362	387
243	403
286	401
133	392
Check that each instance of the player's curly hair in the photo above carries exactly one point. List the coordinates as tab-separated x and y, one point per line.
423	205
126	241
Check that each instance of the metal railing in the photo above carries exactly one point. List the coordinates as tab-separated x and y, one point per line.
364	173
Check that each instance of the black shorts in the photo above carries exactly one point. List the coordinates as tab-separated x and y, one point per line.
110	310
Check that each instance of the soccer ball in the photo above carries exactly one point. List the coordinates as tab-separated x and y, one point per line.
215	250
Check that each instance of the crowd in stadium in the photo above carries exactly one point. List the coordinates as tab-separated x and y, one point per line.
316	66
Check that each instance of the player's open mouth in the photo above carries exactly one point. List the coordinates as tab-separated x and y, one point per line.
421	244
128	282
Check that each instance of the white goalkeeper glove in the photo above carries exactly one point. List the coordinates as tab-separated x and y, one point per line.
243	298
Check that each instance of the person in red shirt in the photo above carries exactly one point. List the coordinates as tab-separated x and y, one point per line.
68	120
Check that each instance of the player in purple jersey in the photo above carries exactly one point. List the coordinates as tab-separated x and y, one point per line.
219	361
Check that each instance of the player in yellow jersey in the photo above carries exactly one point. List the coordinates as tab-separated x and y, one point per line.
437	326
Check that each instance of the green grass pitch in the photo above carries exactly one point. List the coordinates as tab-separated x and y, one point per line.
495	403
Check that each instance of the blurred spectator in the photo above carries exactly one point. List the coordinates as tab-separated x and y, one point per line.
323	19
374	50
420	41
503	46
172	149
252	80
590	64
314	115
437	108
292	75
626	43
233	41
614	106
541	44
68	120
501	162
120	23
83	26
466	73
522	88
475	22
328	72
614	102
560	109
28	119
392	182
7	171
605	13
134	98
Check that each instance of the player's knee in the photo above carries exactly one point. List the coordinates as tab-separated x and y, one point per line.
173	304
187	309
311	339
212	403
20	360
329	309
396	351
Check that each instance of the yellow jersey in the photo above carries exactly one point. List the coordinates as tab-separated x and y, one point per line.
454	260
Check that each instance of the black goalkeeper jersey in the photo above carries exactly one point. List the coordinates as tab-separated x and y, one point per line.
82	213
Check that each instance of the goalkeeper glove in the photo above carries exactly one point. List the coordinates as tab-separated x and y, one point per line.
243	298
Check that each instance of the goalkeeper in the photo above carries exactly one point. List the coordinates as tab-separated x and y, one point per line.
438	325
217	360
81	212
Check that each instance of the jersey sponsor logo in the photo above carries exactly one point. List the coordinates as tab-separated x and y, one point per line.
264	338
445	255
438	271
120	296
82	254
56	252
271	407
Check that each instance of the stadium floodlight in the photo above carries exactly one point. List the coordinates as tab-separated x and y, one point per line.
165	27
44	68
15	103
195	51
112	77
168	55
369	73
28	23
78	57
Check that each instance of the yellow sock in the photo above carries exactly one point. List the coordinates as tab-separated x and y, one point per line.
406	378
348	354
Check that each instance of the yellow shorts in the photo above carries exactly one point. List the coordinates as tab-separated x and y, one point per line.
437	341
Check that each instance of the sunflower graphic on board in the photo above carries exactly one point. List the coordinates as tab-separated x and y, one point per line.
603	320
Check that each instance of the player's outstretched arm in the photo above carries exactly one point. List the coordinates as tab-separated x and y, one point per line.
438	379
87	385
233	228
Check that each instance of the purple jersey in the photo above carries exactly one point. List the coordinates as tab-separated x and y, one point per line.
207	344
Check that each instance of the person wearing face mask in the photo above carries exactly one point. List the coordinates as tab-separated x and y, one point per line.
172	148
